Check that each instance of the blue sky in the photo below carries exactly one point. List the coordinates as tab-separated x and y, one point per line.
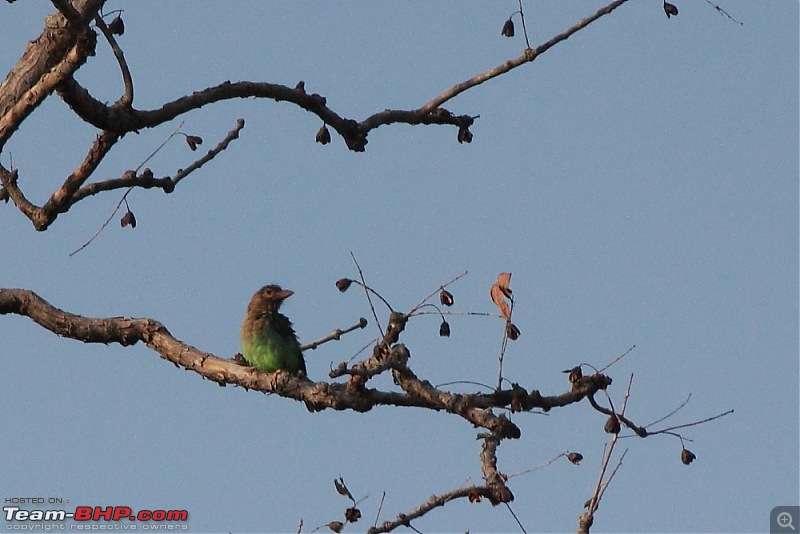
640	181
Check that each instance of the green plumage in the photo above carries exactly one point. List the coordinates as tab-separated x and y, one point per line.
268	339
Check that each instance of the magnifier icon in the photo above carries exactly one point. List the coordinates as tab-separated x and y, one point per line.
784	520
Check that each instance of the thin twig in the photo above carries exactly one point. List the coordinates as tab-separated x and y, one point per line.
516	518
437	386
670	414
706	420
124	196
335	335
435	291
524	29
366	292
723	12
538	467
503	345
454	313
618	358
127	80
378	514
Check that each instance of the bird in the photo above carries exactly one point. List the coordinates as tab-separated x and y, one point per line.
267	338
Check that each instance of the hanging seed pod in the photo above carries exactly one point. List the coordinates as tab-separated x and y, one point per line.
323	135
116	26
343	284
446	298
670	9
128	219
193	141
575	458
464	135
575	374
612	426
444	329
352	514
508	29
687	456
512	331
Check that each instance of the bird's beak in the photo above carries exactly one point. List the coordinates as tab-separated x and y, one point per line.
283	294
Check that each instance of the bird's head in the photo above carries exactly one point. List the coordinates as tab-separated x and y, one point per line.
268	299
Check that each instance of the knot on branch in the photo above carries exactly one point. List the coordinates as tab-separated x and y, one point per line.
506	429
591	384
355	139
397	323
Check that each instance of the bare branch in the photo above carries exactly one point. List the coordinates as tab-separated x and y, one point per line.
125	331
527	56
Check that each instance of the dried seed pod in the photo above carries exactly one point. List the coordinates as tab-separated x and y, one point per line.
343	284
501	495
445	297
128	219
464	135
575	374
116	26
512	331
444	329
508	29
336	526
687	456
341	489
575	458
352	514
323	135
193	141
670	9
612	426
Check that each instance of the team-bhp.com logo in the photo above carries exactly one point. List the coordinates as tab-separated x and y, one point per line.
98	513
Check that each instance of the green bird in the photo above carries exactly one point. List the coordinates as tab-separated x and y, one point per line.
268	339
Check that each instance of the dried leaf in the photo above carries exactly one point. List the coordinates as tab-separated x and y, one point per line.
504	282
500	290
687	456
342	489
336	526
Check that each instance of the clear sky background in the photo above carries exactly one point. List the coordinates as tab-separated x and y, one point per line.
639	180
